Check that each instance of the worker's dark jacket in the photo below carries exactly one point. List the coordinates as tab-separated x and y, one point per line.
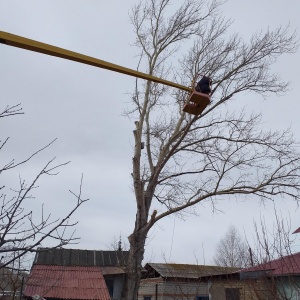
203	85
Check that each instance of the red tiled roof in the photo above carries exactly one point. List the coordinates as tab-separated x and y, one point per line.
66	282
283	266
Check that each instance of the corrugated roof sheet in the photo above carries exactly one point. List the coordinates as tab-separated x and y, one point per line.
66	282
283	266
187	271
79	257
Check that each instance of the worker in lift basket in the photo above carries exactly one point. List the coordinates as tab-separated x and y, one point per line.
204	85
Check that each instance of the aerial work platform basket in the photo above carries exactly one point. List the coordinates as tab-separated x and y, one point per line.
196	103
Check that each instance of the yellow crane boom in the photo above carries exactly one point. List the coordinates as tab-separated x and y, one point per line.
32	45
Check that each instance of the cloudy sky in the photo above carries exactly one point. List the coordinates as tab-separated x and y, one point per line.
82	107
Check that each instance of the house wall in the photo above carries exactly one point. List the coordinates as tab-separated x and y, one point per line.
9	295
118	283
258	286
248	289
288	287
118	287
160	289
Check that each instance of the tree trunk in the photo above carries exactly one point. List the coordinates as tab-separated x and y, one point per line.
134	268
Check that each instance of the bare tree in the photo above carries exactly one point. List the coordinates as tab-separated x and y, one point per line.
231	250
117	244
13	278
21	230
216	155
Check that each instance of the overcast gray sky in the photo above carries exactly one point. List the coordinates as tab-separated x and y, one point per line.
81	106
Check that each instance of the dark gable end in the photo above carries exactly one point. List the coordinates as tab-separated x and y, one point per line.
78	257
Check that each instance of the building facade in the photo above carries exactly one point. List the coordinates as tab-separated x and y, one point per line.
77	274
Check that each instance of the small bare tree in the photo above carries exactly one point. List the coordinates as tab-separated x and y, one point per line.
270	243
216	155
232	250
12	279
117	244
275	266
23	231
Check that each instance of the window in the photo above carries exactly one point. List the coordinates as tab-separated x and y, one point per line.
147	297
232	294
202	297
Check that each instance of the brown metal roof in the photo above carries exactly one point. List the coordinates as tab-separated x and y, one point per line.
185	270
66	282
112	270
